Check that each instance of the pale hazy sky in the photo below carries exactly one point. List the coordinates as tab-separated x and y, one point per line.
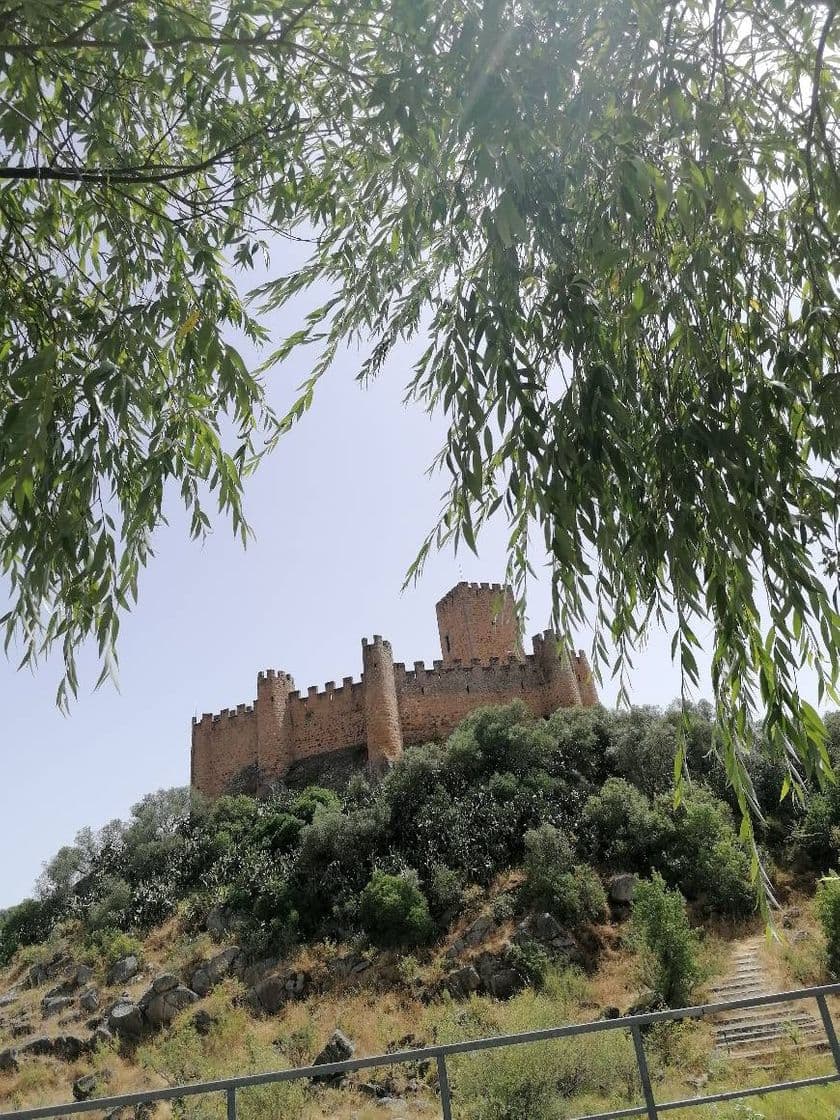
338	512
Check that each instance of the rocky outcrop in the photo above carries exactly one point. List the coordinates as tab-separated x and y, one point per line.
126	1021
339	1048
621	889
211	972
65	1047
123	970
273	992
164	1000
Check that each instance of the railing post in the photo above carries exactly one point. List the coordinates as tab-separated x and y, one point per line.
231	1104
443	1082
644	1074
830	1032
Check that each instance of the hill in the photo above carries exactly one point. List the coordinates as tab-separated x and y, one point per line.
483	885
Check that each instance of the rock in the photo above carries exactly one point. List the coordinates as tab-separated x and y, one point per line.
165	983
207	975
622	888
506	983
85	1086
89	999
20	1026
43	971
221	922
339	1048
126	1021
101	1036
204	1022
8	1061
480	929
463	981
9	997
610	1013
83	975
455	950
270	994
255	972
160	1008
52	1005
123	969
67	1047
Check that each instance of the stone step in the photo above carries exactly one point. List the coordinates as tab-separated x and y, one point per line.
820	1044
763	1033
744	1018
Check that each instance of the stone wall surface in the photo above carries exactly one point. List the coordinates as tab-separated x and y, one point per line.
393	706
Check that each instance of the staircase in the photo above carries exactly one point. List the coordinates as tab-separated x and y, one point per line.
754	1033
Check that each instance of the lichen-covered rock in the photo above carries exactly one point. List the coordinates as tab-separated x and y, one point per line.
545	929
160	1008
53	1005
479	930
123	969
207	975
463	981
166	982
126	1021
9	997
89	999
339	1048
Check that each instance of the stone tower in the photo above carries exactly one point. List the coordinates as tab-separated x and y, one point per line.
382	713
478	620
275	737
562	689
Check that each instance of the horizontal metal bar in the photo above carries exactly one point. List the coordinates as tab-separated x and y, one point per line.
427	1053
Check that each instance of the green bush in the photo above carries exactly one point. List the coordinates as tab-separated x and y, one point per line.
665	941
827	908
393	910
573	893
110	945
25	924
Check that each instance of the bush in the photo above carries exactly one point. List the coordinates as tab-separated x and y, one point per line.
25	924
110	945
393	910
827	908
572	893
665	941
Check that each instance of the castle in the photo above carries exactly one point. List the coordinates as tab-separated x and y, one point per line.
285	734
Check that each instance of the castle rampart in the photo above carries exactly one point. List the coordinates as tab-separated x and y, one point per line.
393	706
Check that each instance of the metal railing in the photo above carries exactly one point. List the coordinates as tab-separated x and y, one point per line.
438	1054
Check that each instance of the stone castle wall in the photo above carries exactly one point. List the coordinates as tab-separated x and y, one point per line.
393	706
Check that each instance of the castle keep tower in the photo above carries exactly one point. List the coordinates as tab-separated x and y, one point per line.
314	736
478	620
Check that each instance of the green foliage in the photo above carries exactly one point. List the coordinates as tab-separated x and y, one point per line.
110	945
666	943
827	907
394	911
572	893
25	924
694	845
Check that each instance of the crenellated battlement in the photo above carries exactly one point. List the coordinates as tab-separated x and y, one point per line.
392	705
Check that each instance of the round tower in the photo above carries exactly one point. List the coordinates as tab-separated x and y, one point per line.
561	684
275	736
478	620
382	715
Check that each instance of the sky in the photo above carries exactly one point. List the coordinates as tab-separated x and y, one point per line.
338	513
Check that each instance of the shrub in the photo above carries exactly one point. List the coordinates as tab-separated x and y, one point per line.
393	910
623	830
665	941
25	924
109	945
572	893
827	908
446	894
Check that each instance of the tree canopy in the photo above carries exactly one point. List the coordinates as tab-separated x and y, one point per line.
615	224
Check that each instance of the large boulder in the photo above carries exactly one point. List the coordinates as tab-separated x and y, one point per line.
506	983
339	1048
54	1005
123	969
621	889
161	1007
66	1047
273	992
8	1061
479	930
207	975
462	981
126	1021
89	999
545	929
